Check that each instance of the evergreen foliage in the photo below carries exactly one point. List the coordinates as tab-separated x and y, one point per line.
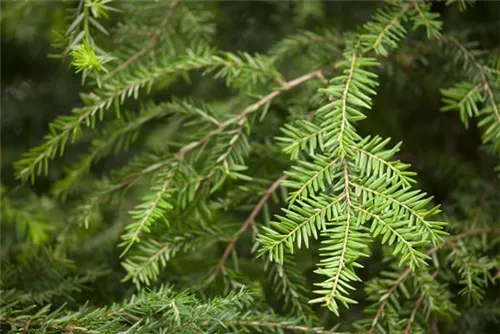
229	167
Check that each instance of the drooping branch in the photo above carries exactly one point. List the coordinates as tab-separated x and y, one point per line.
433	250
26	324
415	309
318	74
284	327
250	221
152	43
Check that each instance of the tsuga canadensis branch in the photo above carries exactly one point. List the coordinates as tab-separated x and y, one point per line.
250	221
341	262
318	74
433	250
481	69
418	303
28	324
387	28
409	271
152	43
154	207
298	328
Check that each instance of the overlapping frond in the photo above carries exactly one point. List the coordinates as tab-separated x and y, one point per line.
394	230
344	244
143	266
236	69
302	220
479	95
153	207
314	43
304	134
162	310
386	28
311	177
406	305
288	283
474	273
350	92
423	16
373	158
465	97
60	277
116	136
159	30
408	206
232	148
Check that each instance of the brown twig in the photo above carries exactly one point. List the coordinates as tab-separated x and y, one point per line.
415	309
434	325
249	222
433	250
246	112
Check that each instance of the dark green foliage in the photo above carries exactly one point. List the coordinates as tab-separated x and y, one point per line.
250	167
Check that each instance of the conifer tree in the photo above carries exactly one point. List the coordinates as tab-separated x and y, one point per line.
229	167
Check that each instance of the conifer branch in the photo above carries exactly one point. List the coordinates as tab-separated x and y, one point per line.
385	28
288	282
251	109
405	177
221	127
205	162
152	43
343	121
480	68
119	134
418	217
273	243
411	252
283	327
191	16
428	19
240	119
409	271
323	168
330	40
27	324
490	115
36	160
143	265
341	261
248	222
418	303
479	211
153	207
394	20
